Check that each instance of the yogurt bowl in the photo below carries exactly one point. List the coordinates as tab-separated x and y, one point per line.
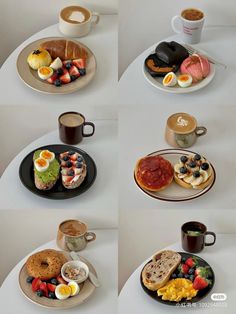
75	271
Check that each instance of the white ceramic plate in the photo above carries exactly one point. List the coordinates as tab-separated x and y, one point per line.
174	192
157	81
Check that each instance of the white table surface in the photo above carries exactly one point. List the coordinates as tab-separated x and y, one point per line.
104	299
102	40
101	197
218	42
146	135
221	256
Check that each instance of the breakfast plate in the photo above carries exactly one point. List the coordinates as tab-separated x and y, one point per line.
201	293
30	77
174	192
86	290
58	191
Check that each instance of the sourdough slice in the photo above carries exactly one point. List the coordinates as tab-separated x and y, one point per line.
76	181
156	273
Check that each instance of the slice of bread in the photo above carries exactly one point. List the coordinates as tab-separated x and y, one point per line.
157	273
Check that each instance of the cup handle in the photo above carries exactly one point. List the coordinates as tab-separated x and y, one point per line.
173	24
214	236
96	17
200	130
93	129
90	236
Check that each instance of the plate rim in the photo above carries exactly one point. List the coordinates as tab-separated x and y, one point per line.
59	92
204	191
48	197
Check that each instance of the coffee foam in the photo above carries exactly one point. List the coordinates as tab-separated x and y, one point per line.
75	14
71	119
73	228
182	123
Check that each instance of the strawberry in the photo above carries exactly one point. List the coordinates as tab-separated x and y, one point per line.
65	77
74	71
203	271
65	62
183	268
67	178
51	287
61	280
35	284
43	287
200	283
191	262
53	78
79	63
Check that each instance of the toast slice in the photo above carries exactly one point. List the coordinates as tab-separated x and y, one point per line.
157	273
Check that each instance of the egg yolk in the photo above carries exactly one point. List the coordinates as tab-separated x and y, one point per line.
184	78
45	71
168	79
65	290
41	162
73	289
46	154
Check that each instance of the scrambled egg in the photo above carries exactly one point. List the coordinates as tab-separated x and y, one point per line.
177	289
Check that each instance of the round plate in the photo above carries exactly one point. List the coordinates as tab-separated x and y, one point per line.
58	192
175	192
86	290
200	295
30	77
157	81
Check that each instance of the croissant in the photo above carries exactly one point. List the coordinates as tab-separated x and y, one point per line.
64	49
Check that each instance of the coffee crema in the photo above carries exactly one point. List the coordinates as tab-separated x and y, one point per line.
73	228
71	119
192	14
75	14
182	123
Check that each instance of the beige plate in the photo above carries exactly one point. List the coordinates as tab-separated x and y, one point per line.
30	77
86	290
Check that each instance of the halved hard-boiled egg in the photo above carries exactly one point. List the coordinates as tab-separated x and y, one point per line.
45	72
74	288
56	64
62	292
185	80
46	154
41	164
170	79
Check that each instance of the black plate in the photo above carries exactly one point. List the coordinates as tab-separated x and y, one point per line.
58	192
201	293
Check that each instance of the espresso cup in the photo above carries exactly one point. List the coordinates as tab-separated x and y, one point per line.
189	24
72	235
182	130
71	127
76	21
193	235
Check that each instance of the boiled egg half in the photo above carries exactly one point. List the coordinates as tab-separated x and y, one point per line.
185	80
74	288
56	64
170	79
62	292
46	154
41	164
45	72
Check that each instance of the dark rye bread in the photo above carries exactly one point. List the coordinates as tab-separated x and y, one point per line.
157	273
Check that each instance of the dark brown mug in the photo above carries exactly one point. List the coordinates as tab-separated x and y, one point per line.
193	235
71	127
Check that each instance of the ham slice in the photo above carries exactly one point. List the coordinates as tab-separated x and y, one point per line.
197	66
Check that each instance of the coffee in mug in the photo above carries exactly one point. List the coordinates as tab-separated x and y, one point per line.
189	24
193	235
71	127
182	130
73	235
76	21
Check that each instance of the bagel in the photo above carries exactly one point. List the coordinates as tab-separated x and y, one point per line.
171	52
189	186
45	264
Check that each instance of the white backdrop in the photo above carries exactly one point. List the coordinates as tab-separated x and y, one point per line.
21	19
145	22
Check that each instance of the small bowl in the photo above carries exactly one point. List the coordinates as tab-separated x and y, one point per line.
75	264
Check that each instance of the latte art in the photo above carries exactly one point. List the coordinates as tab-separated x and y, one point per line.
181	121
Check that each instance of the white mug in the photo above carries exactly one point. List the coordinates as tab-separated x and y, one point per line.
190	30
76	21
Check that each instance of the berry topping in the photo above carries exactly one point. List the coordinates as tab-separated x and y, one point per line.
68	65
29	279
191	271
36	284
191	262
184	159
82	72
57	83
54	281
191	277
66	158
73	78
196	174
69	164
197	157
183	170
59	71
51	295
174	276
71	173
79	165
192	164
180	275
80	158
186	276
71	152
205	166
40	293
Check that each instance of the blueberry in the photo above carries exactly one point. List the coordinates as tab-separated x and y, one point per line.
29	279
80	158
51	295
57	83
192	164
197	157
71	173
71	152
191	271
73	78
79	165
69	164
174	276
186	276
54	281
59	71
196	174
183	170
39	293
183	260
184	159
191	277
205	166
66	158
68	65
82	72
180	275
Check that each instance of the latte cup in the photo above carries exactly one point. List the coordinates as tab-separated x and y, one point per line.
77	21
193	236
182	130
189	25
73	235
